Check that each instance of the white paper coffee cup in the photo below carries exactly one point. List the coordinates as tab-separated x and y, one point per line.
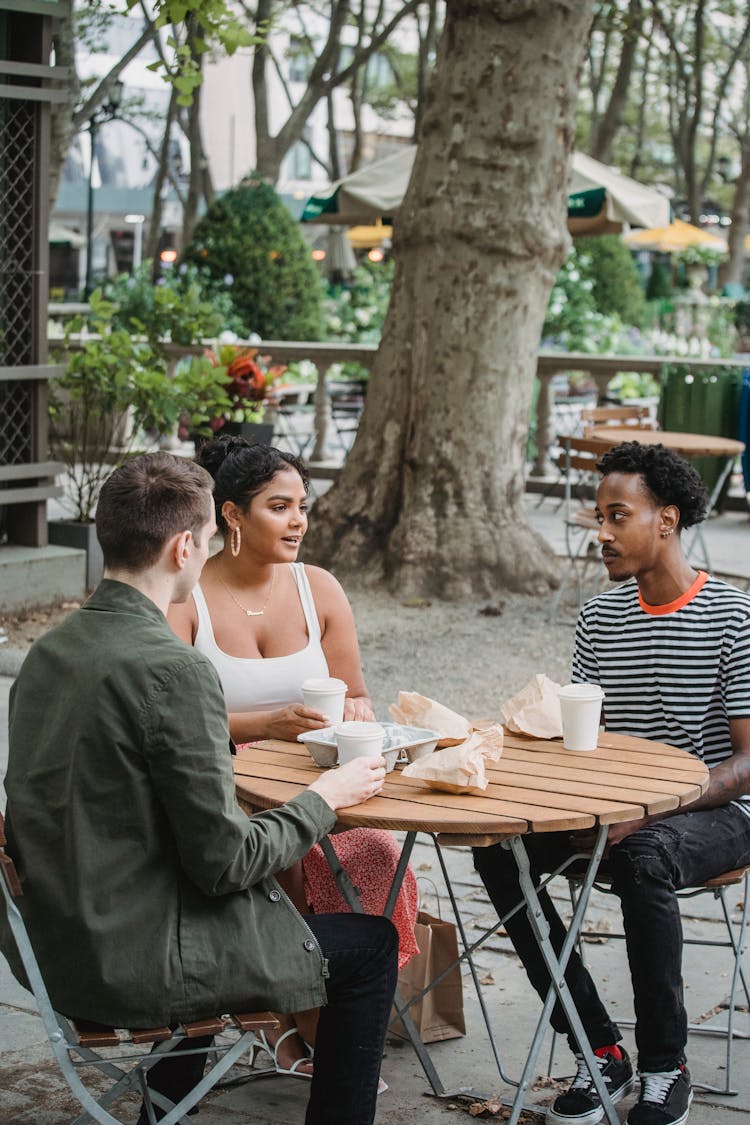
581	710
358	740
326	694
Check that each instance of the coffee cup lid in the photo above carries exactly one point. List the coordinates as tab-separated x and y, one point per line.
352	728
323	684
581	691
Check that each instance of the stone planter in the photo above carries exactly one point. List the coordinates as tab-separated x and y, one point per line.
81	536
258	433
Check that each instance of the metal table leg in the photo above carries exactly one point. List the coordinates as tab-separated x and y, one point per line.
556	968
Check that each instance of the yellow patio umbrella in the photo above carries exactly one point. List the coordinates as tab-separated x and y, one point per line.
363	237
670	240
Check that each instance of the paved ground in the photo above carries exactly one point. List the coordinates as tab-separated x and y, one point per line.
31	1093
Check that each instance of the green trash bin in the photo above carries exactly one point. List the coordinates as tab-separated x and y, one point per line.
702	401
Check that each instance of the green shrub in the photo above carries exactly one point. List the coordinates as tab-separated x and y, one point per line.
606	260
355	313
250	247
659	286
182	307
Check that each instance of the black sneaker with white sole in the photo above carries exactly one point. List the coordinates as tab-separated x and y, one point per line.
580	1104
665	1098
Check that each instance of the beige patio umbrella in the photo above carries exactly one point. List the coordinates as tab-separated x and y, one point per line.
601	200
673	238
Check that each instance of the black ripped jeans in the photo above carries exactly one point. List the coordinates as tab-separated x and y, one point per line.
646	868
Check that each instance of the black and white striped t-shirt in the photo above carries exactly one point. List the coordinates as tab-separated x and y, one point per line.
676	673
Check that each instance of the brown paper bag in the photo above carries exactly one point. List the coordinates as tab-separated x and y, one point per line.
440	1014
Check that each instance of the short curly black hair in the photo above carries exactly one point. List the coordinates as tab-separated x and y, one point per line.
669	478
241	468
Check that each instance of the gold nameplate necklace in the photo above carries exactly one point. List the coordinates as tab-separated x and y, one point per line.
245	610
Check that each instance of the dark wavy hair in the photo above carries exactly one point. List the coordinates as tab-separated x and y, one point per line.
669	478
240	470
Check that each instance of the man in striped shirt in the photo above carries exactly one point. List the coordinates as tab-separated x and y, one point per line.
671	649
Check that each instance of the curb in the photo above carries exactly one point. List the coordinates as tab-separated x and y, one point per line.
11	660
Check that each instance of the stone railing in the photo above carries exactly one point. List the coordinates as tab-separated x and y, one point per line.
600	368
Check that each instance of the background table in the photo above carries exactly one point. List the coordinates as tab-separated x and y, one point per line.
537	786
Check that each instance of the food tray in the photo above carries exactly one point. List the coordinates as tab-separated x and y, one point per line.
414	742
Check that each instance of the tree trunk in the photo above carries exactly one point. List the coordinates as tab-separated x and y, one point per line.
196	183
615	111
151	248
431	496
730	273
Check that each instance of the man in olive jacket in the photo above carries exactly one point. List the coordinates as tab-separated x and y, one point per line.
149	894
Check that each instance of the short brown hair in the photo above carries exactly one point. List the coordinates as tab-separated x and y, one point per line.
145	502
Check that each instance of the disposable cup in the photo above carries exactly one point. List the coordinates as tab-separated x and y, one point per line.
581	709
358	740
325	694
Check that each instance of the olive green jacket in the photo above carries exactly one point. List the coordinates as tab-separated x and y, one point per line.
148	893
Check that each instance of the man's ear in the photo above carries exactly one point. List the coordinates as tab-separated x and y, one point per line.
669	520
178	549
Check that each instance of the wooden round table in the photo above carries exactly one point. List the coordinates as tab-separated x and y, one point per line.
537	786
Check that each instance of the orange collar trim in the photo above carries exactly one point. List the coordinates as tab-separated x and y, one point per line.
678	603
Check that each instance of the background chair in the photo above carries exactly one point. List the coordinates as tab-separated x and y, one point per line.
347	403
77	1044
640	417
735	940
580	455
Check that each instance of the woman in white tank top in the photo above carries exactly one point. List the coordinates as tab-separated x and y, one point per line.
267	622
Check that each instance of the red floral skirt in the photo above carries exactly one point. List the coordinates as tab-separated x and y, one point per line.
370	857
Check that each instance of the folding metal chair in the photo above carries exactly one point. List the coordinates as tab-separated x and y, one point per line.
735	940
579	516
347	403
76	1044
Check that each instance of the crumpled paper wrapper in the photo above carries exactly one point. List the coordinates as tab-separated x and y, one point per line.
535	710
415	710
461	768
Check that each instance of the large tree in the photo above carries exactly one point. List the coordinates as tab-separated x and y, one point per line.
431	495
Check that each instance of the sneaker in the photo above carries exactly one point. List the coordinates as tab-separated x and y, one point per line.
665	1098
580	1104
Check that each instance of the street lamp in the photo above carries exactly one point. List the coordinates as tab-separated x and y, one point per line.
105	113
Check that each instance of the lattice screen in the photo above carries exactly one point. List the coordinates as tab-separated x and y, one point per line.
17	148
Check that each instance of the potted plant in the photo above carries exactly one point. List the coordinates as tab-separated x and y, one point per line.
249	380
115	391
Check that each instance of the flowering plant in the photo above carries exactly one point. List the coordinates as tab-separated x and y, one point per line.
250	378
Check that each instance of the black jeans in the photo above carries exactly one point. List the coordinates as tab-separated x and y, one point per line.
362	952
646	868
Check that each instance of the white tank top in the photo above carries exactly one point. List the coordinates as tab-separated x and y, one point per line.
264	683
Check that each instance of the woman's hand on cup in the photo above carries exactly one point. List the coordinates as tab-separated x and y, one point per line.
358	709
295	719
351	784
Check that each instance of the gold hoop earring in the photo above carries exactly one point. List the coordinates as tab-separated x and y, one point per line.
235	541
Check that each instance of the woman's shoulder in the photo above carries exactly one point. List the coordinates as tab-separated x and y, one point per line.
320	580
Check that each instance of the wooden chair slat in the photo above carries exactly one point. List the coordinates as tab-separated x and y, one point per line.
728	879
10	875
256	1021
211	1025
92	1034
150	1035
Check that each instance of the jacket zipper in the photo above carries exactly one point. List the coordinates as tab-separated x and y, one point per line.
324	960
